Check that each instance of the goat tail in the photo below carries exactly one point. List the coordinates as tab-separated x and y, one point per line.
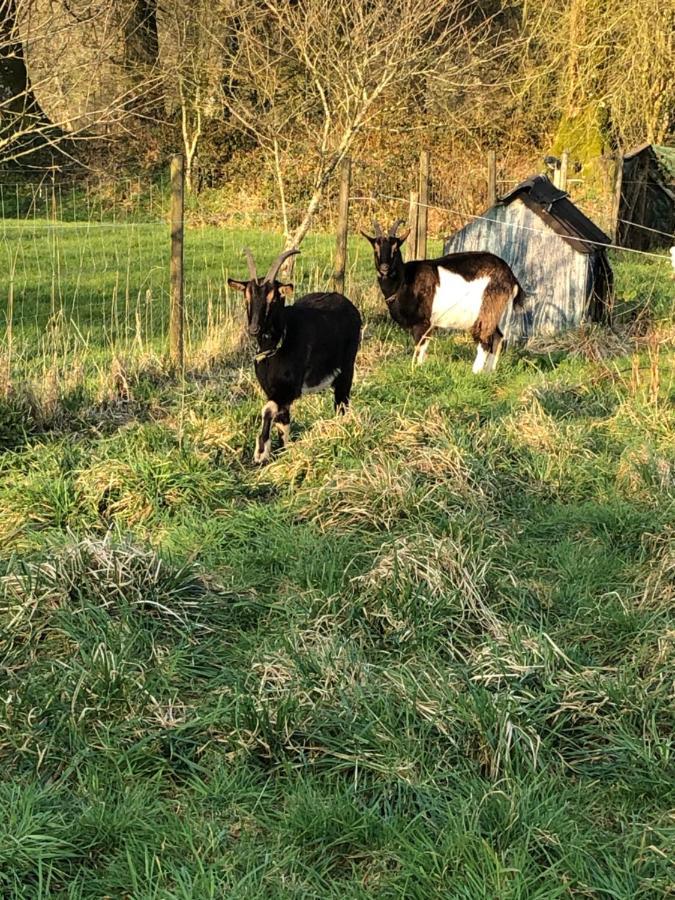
518	295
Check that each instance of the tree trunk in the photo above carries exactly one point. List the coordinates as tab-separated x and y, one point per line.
282	192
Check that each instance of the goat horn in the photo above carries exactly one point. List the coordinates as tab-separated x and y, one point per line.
251	264
378	228
278	263
394	228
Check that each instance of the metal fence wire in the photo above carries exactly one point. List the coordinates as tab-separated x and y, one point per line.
85	267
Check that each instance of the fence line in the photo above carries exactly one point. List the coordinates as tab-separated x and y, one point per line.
81	286
667	234
609	246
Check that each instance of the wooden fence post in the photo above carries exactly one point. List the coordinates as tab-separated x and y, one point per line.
615	222
177	308
413	213
423	206
342	227
564	165
491	178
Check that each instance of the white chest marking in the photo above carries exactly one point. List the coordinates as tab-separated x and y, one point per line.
324	383
457	302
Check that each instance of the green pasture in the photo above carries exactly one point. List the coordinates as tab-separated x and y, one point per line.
426	652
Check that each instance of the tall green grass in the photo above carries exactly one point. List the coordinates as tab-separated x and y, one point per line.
426	652
81	291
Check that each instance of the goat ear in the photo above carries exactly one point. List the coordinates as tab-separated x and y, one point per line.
367	236
237	285
286	290
403	236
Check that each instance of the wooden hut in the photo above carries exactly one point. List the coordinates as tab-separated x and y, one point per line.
555	251
646	214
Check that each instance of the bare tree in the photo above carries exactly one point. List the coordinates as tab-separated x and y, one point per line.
66	74
191	35
602	72
325	69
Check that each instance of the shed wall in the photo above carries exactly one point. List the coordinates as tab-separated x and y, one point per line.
554	276
645	200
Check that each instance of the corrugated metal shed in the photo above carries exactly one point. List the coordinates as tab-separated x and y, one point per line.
555	251
646	217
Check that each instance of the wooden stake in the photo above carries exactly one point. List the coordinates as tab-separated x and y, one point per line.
413	211
491	178
564	164
342	227
423	206
615	223
177	308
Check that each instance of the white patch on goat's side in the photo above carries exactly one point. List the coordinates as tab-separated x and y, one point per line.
457	302
324	383
479	362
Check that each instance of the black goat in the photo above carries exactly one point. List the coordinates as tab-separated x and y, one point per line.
466	291
305	347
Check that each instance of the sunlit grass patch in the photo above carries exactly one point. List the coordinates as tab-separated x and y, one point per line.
426	651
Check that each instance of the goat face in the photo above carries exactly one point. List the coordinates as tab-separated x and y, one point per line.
264	302
387	249
265	297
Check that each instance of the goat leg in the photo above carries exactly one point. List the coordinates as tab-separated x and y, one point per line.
283	422
263	449
495	349
420	335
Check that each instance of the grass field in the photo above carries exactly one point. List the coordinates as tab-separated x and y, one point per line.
426	652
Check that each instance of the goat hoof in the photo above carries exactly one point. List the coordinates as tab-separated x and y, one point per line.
261	458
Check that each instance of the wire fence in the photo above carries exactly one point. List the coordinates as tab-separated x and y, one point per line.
85	272
85	268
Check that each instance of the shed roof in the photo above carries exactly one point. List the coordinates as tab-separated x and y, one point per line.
665	156
662	173
554	207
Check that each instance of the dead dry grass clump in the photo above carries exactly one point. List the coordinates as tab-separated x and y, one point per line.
398	470
590	341
375	350
429	449
301	693
312	455
645	475
314	666
221	434
531	426
145	486
113	488
380	494
376	495
101	573
383	493
422	581
224	346
658	586
595	343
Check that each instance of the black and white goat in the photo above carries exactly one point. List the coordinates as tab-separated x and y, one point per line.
463	291
305	347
